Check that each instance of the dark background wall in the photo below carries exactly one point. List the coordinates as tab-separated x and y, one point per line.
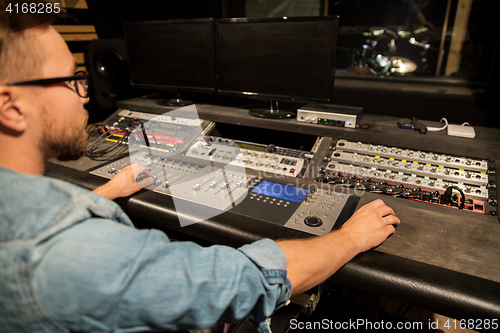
479	106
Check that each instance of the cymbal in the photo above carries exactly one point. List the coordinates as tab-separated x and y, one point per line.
402	65
411	33
379	32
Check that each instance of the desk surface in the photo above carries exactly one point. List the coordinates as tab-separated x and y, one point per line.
383	130
440	258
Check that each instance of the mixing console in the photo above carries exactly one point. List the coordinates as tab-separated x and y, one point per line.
413	174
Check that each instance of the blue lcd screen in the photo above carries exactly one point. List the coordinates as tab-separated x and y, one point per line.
287	192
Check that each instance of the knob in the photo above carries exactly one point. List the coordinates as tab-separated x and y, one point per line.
313	221
271	148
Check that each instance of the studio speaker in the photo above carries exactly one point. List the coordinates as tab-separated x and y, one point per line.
108	69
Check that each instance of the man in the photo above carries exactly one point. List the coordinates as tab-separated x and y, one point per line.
70	260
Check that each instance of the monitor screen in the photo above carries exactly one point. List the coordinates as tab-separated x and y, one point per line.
176	55
277	58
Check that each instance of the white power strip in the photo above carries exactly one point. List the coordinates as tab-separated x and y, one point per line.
463	131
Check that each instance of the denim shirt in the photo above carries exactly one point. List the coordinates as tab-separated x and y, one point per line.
71	260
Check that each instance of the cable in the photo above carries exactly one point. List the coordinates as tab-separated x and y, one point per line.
436	129
447	195
102	149
363	126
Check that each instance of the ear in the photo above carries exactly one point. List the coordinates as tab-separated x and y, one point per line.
11	113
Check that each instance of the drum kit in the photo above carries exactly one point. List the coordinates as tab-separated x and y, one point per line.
383	52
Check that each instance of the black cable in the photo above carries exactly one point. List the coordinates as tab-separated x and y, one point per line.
446	197
363	126
98	153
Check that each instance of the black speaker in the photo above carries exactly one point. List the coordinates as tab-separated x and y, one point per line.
108	68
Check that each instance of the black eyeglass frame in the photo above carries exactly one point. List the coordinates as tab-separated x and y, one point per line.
81	75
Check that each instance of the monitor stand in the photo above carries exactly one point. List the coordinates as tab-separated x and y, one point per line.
177	101
273	112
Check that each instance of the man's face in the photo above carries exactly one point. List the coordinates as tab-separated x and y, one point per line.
63	117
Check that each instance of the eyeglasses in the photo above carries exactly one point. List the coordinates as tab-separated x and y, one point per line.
80	82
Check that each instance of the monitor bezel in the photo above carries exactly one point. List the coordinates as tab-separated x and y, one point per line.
175	88
277	97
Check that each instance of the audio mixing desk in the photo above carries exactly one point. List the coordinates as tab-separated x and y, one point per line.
442	258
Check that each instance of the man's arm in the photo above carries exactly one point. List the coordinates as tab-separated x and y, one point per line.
311	261
420	18
123	183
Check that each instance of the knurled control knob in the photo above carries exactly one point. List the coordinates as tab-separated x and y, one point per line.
313	221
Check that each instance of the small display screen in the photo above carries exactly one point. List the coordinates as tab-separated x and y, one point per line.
250	146
282	191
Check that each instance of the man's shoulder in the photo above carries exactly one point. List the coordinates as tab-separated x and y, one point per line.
31	204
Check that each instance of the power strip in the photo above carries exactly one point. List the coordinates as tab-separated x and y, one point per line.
462	131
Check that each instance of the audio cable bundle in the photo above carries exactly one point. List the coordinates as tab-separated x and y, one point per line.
109	144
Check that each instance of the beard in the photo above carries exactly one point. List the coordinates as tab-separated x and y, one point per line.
69	144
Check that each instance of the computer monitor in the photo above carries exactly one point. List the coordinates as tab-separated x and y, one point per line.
176	56
277	59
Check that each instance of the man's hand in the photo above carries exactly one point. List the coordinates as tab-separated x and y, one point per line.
370	225
312	261
123	183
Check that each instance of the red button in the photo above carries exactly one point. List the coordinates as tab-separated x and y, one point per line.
292	170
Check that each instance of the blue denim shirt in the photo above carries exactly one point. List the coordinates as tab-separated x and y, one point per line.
71	260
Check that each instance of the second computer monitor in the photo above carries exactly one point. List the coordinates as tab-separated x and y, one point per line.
281	59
